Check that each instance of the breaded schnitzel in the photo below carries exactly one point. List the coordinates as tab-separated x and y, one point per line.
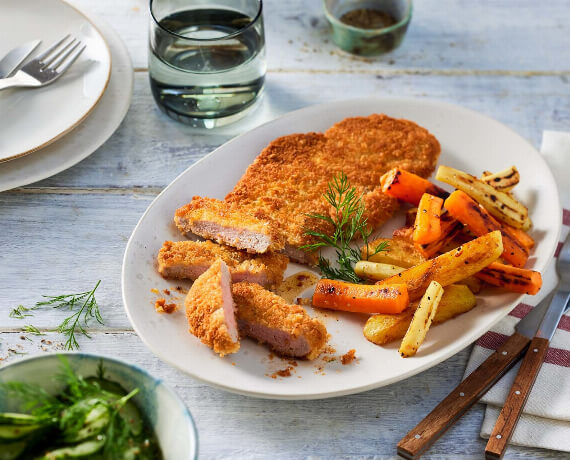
268	318
267	209
189	259
210	310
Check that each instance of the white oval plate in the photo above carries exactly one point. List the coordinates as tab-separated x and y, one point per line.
32	118
469	141
101	123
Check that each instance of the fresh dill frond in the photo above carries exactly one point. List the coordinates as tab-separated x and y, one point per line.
348	223
87	309
20	312
30	329
84	304
33	399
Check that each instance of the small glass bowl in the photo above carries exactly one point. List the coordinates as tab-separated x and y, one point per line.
368	42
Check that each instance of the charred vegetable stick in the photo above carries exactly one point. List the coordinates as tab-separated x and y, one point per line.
451	267
480	222
449	230
520	235
512	278
400	252
421	322
504	180
361	298
408	187
499	204
375	270
427	227
383	328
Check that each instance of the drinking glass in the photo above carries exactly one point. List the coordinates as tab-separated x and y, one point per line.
206	59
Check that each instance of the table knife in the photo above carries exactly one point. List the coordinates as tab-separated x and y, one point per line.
531	364
470	390
16	57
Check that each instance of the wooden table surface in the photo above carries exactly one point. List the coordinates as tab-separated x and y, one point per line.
65	233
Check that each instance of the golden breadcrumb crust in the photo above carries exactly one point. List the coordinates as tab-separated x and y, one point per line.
288	179
205	313
228	216
258	305
175	255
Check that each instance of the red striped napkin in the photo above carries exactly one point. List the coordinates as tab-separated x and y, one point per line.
545	421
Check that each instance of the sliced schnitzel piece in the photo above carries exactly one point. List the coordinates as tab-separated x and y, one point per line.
289	177
268	318
189	259
210	310
220	221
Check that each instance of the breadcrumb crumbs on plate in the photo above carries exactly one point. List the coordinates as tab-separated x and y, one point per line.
283	372
162	307
166	292
155	291
348	357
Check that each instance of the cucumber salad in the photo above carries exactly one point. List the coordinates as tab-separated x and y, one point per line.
92	417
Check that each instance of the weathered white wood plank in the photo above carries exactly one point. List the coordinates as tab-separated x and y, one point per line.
150	149
367	425
444	34
58	244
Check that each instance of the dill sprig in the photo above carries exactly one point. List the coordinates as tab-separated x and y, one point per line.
348	223
85	308
20	312
30	329
78	321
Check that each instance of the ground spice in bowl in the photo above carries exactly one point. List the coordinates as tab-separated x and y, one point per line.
366	18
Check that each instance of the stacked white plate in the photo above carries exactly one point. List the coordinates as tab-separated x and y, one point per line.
46	130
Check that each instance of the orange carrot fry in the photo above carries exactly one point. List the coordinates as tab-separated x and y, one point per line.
520	235
450	228
479	221
361	298
427	227
512	278
408	187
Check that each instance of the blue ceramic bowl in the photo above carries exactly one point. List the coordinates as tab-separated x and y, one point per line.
163	409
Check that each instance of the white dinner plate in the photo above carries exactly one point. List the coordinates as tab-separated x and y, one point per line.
99	125
469	140
32	118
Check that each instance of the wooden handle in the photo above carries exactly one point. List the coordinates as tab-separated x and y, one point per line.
462	398
514	404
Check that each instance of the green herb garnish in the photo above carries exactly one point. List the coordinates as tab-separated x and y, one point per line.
84	304
32	330
348	223
20	312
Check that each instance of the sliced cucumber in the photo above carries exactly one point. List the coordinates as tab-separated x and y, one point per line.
12	418
96	419
132	417
12	432
84	449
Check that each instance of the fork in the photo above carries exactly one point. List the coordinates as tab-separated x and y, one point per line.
47	67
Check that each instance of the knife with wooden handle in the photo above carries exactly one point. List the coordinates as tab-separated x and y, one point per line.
468	392
526	376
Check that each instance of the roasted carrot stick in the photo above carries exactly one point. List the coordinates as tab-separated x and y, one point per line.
449	230
427	227
512	278
520	235
408	187
361	298
479	221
